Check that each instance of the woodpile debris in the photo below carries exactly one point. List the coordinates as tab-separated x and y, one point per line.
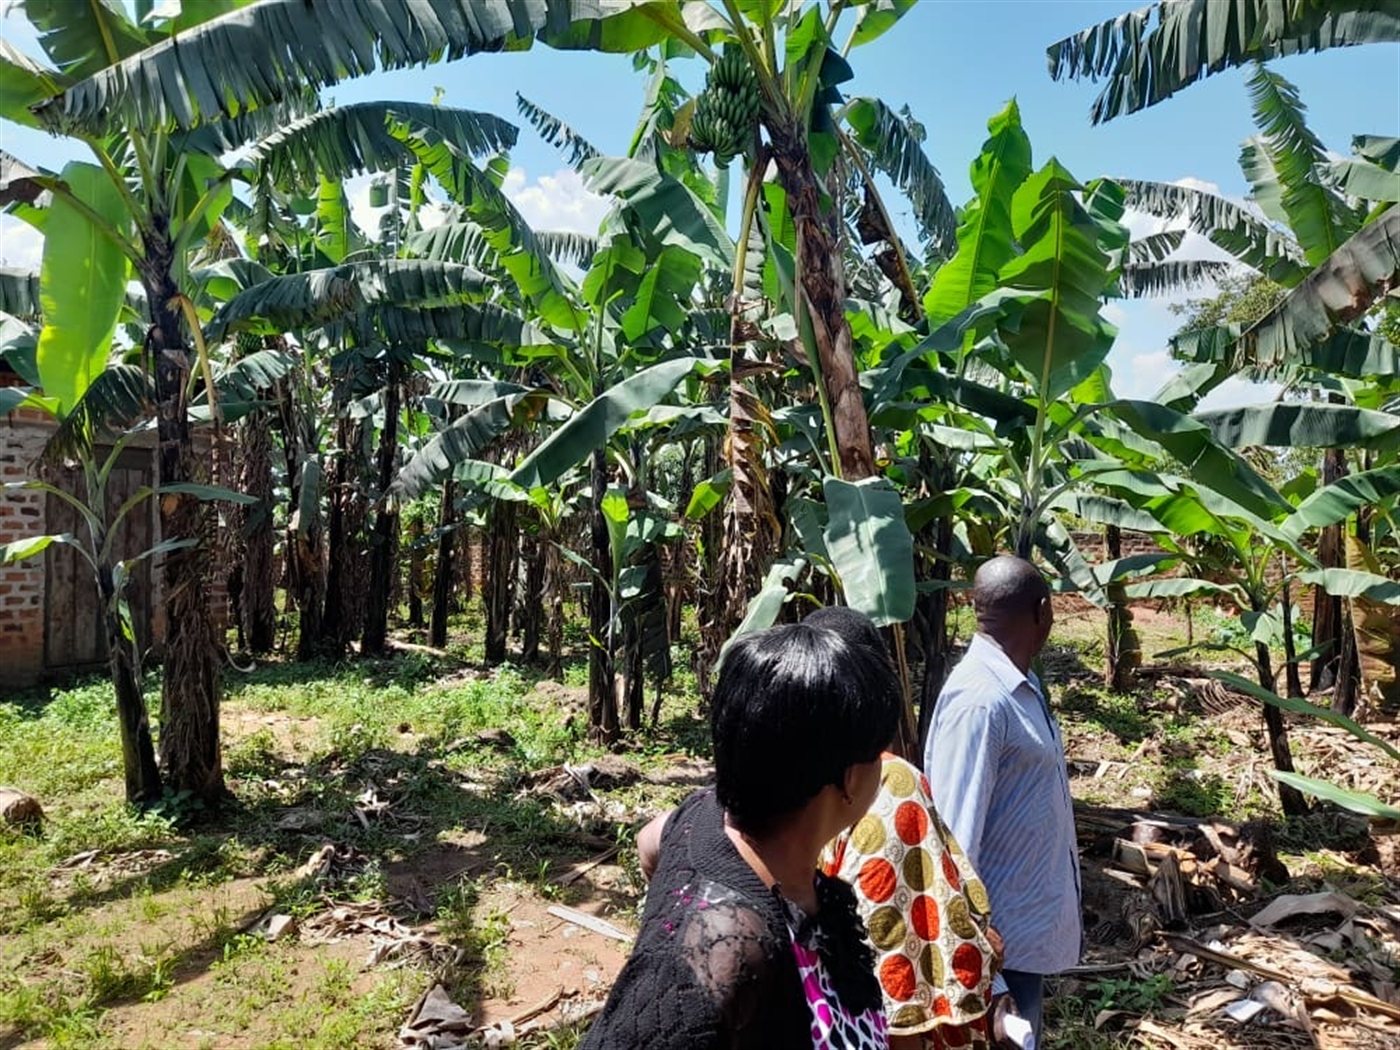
1248	966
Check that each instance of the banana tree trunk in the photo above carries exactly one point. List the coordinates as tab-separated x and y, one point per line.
142	775
1290	647
1328	635
532	608
1122	654
383	545
602	680
554	601
931	615
347	570
415	572
442	572
1289	797
257	609
306	575
191	678
823	288
500	566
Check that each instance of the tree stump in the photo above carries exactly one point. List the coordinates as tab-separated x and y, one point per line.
18	810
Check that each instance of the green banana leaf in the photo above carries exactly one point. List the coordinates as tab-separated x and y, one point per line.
986	241
514	242
463	440
1148	55
258	55
1049	294
1292	424
1355	801
1343	498
344	141
309	300
666	209
1298	706
593	425
82	285
1353	583
764	607
871	548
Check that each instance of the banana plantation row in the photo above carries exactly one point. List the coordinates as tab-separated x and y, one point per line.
813	405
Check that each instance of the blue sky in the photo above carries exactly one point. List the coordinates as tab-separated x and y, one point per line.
955	62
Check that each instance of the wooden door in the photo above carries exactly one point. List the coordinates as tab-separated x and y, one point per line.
74	638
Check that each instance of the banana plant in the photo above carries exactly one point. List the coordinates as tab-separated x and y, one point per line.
100	408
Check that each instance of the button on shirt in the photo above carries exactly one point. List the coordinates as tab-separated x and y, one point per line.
996	763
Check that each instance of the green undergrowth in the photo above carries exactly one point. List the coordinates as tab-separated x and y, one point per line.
110	916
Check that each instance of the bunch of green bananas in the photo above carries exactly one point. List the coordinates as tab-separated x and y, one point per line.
726	110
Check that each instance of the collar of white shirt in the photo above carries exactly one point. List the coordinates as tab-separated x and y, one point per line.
995	660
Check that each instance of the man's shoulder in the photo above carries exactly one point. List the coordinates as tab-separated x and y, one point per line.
975	680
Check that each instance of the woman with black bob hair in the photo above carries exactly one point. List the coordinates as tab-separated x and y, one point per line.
744	943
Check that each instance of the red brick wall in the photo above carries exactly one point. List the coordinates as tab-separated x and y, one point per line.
22	437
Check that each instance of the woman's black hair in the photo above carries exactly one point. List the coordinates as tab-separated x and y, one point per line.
794	708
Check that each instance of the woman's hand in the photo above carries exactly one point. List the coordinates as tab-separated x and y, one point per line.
1012	1035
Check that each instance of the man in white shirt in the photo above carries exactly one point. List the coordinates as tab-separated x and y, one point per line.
996	762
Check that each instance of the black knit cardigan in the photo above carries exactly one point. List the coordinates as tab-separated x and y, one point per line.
713	966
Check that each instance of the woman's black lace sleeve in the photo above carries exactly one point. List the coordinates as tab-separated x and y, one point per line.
698	981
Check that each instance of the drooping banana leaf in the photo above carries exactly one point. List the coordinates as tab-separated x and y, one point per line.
1243	234
1058	547
871	548
463	440
575	147
896	151
1359	178
1292	424
1147	280
1337	292
23	82
1150	54
1343	498
344	141
764	607
514	242
1355	583
665	208
307	300
1219	469
260	54
592	426
118	397
19	293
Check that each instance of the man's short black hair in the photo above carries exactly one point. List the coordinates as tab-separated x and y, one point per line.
794	708
1006	587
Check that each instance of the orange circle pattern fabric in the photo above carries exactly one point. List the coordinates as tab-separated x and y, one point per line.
926	910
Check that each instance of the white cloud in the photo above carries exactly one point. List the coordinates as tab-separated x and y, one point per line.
1190	182
1140	374
552	202
556	202
21	245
